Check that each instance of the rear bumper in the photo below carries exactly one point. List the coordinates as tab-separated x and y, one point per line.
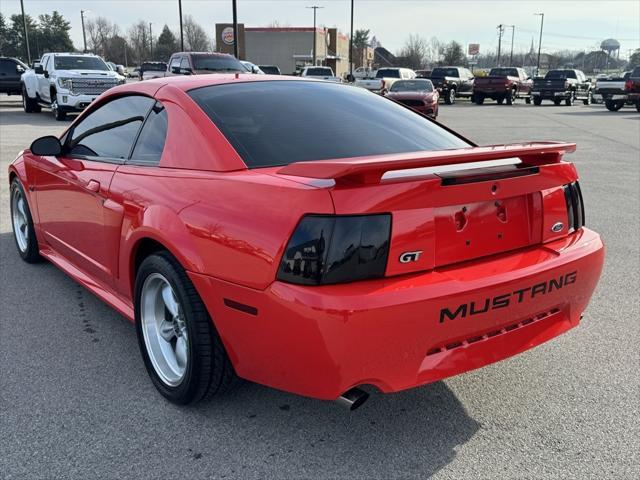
391	333
550	95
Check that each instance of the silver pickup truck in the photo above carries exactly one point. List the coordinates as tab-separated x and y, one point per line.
612	92
384	78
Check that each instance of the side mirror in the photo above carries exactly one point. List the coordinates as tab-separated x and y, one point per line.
46	74
38	69
175	70
19	69
186	71
48	146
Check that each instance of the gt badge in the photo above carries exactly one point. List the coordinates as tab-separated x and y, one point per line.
407	257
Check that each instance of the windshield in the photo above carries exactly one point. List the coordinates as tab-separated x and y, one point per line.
412	86
217	63
319	72
444	72
388	73
79	63
560	74
503	72
154	67
268	122
270	70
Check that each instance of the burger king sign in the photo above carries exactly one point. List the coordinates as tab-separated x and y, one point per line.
227	36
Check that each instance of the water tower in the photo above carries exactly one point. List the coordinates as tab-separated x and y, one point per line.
610	45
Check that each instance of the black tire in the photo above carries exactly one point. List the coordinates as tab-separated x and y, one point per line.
537	100
59	114
527	100
209	370
450	97
511	97
638	105
500	100
569	100
29	105
556	101
613	105
479	99
587	101
30	253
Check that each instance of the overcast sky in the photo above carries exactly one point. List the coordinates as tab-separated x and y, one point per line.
571	24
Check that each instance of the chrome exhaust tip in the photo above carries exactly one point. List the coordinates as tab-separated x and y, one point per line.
353	398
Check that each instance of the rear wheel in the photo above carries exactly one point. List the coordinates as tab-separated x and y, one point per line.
28	104
537	100
450	97
613	106
479	99
182	351
569	100
587	101
556	101
511	97
23	232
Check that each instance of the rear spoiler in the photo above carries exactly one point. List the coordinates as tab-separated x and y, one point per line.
371	169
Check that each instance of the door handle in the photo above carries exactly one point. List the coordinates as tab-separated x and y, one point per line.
93	186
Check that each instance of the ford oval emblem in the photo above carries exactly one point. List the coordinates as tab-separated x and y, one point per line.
557	227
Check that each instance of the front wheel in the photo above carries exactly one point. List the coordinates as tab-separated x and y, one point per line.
450	97
587	101
569	100
479	99
537	101
181	349
23	232
511	97
59	114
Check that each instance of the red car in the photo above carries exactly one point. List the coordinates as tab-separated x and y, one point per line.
418	94
362	244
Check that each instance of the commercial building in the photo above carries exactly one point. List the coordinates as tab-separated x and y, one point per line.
289	48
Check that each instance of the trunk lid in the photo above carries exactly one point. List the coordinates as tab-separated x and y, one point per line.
446	207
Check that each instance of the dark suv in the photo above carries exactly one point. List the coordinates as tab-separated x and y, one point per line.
11	69
194	63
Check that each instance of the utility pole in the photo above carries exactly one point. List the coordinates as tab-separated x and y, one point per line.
315	51
513	32
235	30
26	34
540	41
84	34
150	42
181	33
350	45
500	31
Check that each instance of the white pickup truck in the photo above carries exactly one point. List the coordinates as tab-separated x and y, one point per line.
384	78
320	73
66	82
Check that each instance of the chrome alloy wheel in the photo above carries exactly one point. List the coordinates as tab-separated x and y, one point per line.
164	329
20	220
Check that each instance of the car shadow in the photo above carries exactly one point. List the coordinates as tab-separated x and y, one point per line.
14	115
423	427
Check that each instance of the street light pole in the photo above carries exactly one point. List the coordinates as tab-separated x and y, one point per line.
540	41
351	44
513	32
84	34
181	33
315	51
235	31
26	34
500	30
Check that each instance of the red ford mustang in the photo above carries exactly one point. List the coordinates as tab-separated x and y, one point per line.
305	235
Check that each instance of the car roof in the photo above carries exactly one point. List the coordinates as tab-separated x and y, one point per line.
190	82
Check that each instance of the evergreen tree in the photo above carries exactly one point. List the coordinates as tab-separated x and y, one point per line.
166	45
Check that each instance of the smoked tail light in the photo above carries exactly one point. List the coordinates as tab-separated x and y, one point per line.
326	249
575	206
628	85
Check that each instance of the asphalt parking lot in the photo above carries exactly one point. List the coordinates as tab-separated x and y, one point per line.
76	402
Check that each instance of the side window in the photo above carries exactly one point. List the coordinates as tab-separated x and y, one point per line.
184	63
45	65
148	149
7	67
110	131
175	62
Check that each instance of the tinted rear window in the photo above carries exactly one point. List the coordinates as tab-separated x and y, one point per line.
319	72
560	74
444	72
388	73
154	67
217	63
503	72
281	122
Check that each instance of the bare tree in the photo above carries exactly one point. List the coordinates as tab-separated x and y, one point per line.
414	52
139	41
196	39
100	31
